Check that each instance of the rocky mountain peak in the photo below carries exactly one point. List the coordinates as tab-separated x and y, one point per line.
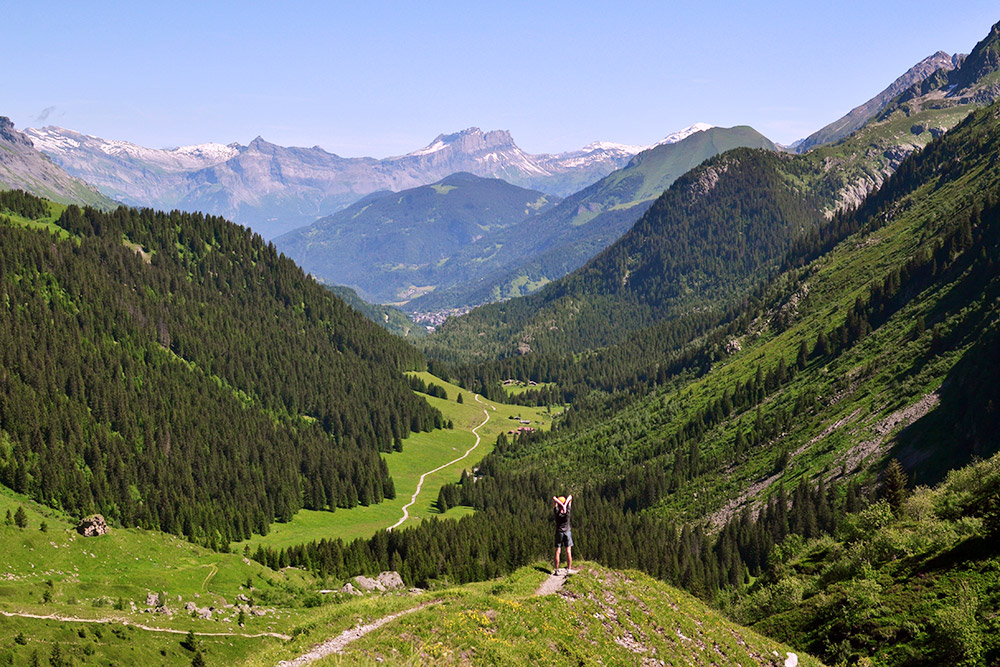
9	134
929	70
260	144
471	141
24	167
983	60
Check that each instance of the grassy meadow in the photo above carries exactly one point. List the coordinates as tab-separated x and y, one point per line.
421	452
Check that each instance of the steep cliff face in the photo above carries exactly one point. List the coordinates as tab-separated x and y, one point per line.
861	114
22	167
927	109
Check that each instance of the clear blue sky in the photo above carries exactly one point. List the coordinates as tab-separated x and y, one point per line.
384	78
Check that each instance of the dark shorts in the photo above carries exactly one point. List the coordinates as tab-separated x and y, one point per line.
564	539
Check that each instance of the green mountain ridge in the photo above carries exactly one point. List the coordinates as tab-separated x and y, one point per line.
583	224
714	232
390	246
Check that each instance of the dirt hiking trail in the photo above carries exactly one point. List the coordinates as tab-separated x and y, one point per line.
413	498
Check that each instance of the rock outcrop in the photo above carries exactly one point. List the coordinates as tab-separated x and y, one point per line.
385	581
93	526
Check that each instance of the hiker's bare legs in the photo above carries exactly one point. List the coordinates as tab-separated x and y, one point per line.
558	549
569	558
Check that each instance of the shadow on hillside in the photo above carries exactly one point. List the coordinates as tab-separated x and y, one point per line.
966	422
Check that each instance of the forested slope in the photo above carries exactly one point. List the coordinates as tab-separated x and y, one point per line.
390	245
170	370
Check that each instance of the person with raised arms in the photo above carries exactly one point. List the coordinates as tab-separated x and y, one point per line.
564	536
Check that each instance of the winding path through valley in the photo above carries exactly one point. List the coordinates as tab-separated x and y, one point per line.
413	498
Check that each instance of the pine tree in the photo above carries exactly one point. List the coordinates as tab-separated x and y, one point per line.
56	659
21	517
822	347
894	486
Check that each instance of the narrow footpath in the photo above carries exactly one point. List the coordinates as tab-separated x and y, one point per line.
413	498
125	621
338	643
554	582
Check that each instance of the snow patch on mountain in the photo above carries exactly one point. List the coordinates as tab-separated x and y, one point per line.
613	147
57	140
434	147
681	135
185	157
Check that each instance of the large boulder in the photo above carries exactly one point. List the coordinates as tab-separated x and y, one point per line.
93	526
385	581
390	580
367	584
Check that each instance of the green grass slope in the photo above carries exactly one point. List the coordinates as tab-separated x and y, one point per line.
93	592
600	616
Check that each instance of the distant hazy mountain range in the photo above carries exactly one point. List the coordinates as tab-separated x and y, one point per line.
466	240
274	189
588	221
22	167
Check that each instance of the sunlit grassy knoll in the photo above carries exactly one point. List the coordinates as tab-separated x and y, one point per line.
115	644
47	223
421	452
600	617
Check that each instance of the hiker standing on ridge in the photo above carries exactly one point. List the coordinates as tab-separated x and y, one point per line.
563	536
